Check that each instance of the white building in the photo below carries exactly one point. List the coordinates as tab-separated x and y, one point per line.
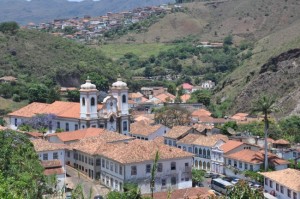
117	162
145	130
52	156
177	133
112	114
250	160
283	184
222	148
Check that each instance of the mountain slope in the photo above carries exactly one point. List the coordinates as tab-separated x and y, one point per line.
24	12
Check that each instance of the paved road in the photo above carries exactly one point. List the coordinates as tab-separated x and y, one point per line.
87	184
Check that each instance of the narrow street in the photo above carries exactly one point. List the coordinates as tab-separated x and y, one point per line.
88	185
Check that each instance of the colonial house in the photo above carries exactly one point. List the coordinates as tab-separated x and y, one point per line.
283	184
282	148
112	114
222	148
162	98
201	145
250	160
187	88
117	162
208	84
75	136
52	156
177	133
146	130
197	114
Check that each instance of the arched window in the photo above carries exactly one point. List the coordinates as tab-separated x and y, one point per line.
200	151
124	99
208	153
204	165
208	166
83	101
204	153
196	164
196	151
200	164
93	101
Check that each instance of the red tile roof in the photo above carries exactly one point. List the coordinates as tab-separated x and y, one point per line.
79	134
256	157
230	145
43	145
201	113
185	97
59	108
191	193
281	141
51	163
187	86
144	128
177	131
54	171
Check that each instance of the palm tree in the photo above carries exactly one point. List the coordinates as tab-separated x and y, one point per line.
153	173
265	105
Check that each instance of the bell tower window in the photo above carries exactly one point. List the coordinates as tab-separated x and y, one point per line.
83	101
124	99
93	101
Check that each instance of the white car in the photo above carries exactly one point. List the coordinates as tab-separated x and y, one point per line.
234	181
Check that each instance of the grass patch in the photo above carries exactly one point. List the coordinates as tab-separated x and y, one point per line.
116	51
10	105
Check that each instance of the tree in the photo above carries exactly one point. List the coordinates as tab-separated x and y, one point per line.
100	81
265	105
9	27
73	96
242	190
228	40
197	175
230	124
201	96
172	116
38	93
20	167
40	122
292	126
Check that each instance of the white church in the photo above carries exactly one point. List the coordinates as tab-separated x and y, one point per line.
112	113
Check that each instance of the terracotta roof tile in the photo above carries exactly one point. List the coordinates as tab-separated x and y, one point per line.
201	113
177	131
56	171
59	108
140	150
187	86
281	141
256	157
287	177
209	140
230	145
189	139
79	134
240	116
191	193
144	128
185	97
135	95
43	145
51	163
163	97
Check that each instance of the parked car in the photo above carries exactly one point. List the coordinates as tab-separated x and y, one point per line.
234	181
208	175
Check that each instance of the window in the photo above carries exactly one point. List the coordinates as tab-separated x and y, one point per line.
16	122
68	154
163	182
229	161
251	167
173	181
289	193
83	101
277	187
107	165
208	153
76	127
294	195
246	166
148	168
266	181
133	170
45	156
112	166
116	168
85	160
235	164
92	101
271	183
187	179
166	141
75	156
173	166
186	164
294	154
58	125
174	143
196	151
170	142
120	170
184	148
124	99
67	126
125	126
103	163
55	156
240	164
190	150
281	189
98	162
159	167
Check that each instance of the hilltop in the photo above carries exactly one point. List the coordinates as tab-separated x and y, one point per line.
38	11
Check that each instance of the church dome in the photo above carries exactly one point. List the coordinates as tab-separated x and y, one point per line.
88	85
119	83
